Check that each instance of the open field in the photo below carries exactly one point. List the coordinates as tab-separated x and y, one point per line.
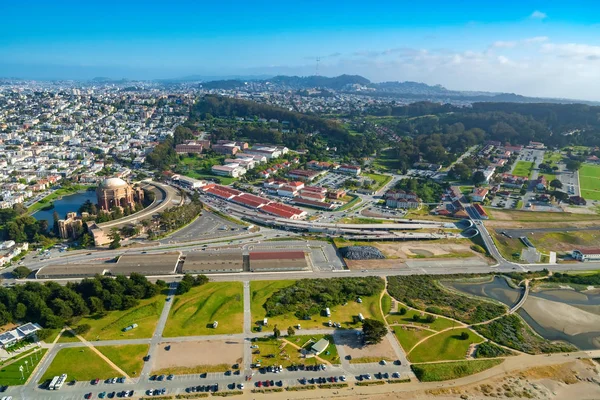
409	337
439	324
552	158
197	357
130	358
10	374
109	325
380	180
523	168
81	364
539	219
565	241
448	371
350	203
386	161
260	291
359	353
276	352
589	179
510	248
444	346
194	312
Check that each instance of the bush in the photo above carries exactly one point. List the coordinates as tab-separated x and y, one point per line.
464	336
403	311
451	370
82	329
491	350
21	272
424	291
477	248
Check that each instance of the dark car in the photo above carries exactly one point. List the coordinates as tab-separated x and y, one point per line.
111	395
95	381
88	396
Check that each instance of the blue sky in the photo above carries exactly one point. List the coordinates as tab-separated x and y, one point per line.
544	48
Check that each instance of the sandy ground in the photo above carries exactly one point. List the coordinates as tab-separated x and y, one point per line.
353	347
570	320
191	354
375	264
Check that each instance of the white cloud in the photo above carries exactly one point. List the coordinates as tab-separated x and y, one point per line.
500	44
536	39
572	50
538	15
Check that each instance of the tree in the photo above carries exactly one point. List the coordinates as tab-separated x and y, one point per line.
21	272
573	165
478	177
373	331
402	311
430	318
55	217
276	332
82	329
115	239
416	317
464	335
560	196
556	184
460	171
291	331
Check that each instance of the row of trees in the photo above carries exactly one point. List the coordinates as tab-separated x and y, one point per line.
52	305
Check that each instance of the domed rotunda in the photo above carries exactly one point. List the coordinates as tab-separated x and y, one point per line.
116	192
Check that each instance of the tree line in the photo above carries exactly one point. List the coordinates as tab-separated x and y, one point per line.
52	305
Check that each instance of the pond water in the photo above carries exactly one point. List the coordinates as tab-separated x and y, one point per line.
65	205
555	314
497	289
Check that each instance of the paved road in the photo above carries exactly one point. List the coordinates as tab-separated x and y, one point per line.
158	332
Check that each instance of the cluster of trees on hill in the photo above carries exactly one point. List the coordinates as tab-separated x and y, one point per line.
427	190
52	305
588	280
303	125
517	123
308	297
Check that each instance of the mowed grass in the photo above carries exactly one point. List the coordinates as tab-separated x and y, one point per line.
67	337
81	364
275	352
589	179
439	324
453	370
380	180
444	346
130	358
109	325
523	168
194	312
386	304
408	338
11	375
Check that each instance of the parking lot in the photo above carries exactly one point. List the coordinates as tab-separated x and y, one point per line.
333	180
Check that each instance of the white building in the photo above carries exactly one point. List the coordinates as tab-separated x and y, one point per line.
233	170
587	255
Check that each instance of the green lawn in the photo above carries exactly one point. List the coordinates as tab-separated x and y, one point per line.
350	204
81	364
454	370
552	158
386	161
130	358
409	337
589	179
523	168
386	304
11	376
67	337
549	178
194	312
444	346
260	291
380	180
439	324
109	326
223	180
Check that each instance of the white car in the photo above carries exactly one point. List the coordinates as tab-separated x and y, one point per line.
241	386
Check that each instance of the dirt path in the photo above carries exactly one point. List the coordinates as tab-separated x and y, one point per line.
102	356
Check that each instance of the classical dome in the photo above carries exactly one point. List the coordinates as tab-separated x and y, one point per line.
113	183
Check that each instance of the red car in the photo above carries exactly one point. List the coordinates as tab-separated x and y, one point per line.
259	383
88	396
95	381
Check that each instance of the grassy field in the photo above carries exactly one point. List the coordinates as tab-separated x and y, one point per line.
507	246
130	358
275	352
194	312
10	374
81	364
109	326
67	337
564	241
386	304
589	179
549	178
409	337
552	158
439	324
350	204
448	371
260	291
380	180
386	161
444	346
523	168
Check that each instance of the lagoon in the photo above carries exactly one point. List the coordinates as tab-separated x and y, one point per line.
70	203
